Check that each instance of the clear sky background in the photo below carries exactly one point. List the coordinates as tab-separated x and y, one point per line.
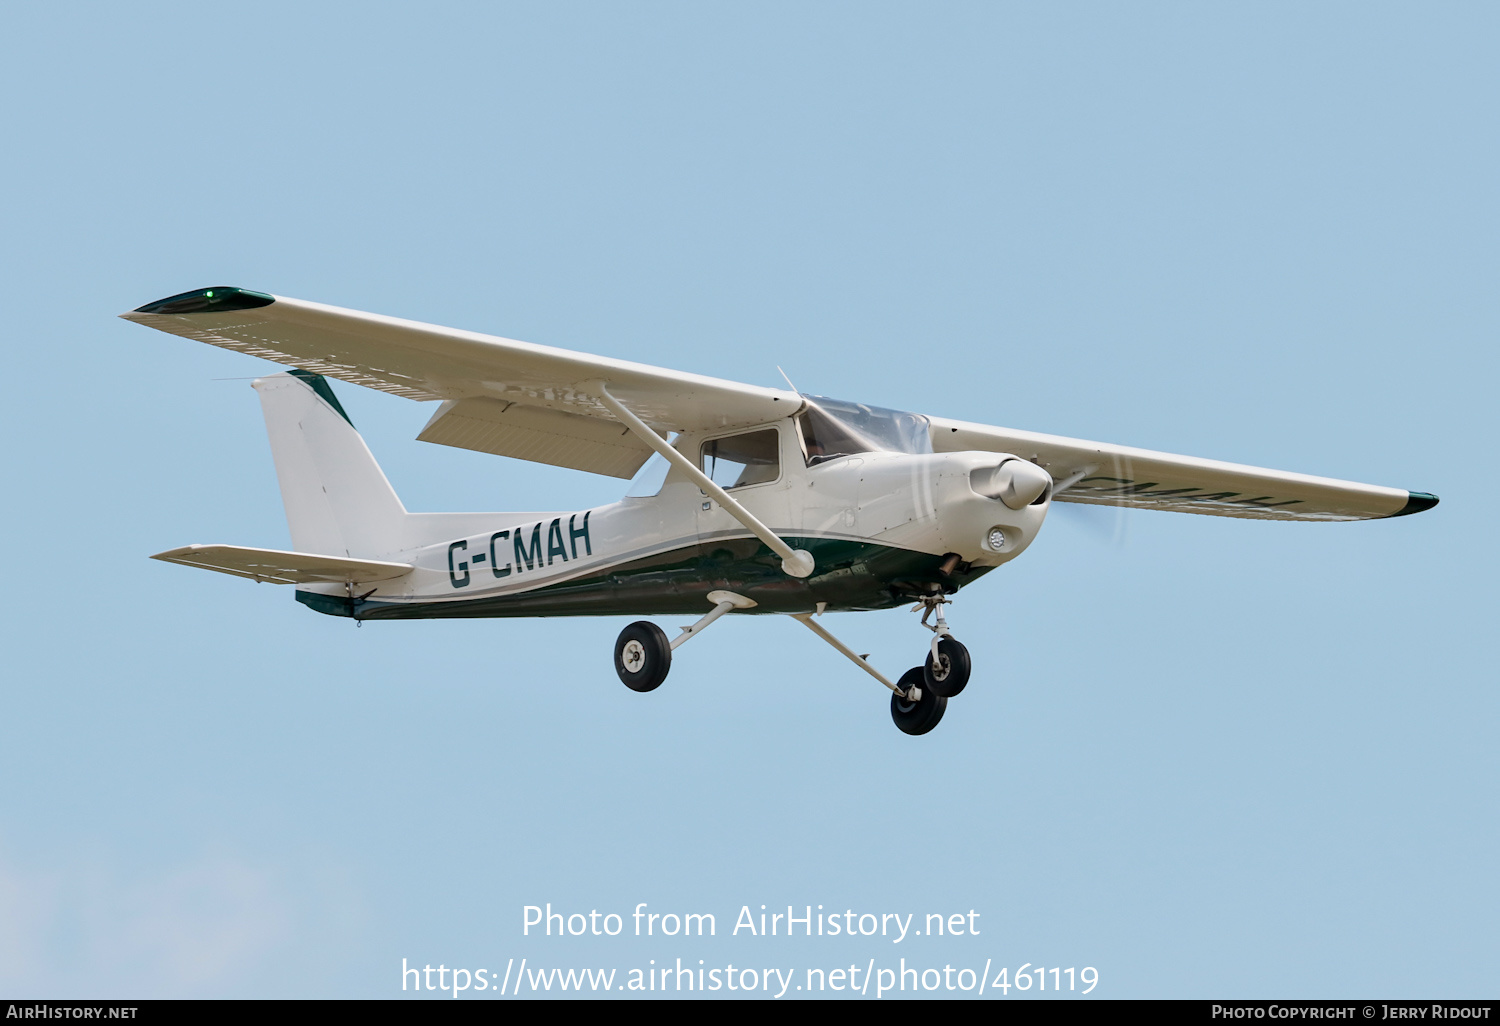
1211	758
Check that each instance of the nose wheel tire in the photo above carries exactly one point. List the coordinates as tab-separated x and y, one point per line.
949	674
920	716
642	656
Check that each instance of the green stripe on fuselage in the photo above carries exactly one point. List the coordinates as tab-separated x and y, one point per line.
850	575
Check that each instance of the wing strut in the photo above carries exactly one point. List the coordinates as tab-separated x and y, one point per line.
795	562
1072	479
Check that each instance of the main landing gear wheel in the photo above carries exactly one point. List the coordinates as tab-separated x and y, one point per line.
920	716
949	674
642	656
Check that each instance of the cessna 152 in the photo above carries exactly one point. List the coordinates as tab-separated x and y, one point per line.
773	501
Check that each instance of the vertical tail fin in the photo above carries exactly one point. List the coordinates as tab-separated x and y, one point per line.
337	499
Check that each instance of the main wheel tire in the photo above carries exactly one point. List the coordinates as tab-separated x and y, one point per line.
951	673
922	715
642	656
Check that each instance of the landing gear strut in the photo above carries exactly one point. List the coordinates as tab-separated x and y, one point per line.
643	655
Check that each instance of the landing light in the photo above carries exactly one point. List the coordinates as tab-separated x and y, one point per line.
996	539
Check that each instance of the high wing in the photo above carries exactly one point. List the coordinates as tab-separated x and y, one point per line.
279	567
501	396
1115	475
549	405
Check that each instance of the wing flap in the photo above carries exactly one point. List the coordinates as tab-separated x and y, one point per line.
279	567
1098	473
538	434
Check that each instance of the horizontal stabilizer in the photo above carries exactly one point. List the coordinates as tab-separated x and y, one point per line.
284	567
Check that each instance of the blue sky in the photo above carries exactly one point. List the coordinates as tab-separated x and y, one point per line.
1210	758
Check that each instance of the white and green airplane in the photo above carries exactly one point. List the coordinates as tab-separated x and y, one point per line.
772	501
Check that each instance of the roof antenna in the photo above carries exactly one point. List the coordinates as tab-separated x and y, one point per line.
786	379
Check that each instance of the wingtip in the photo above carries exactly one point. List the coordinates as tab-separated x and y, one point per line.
170	555
214	299
1417	502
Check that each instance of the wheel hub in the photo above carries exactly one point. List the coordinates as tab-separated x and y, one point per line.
633	656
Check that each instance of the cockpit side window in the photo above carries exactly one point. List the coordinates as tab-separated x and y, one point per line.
832	428
740	460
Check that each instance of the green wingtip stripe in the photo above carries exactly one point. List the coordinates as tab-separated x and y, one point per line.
1416	503
214	299
321	386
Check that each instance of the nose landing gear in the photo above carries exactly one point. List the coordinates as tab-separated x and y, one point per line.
946	672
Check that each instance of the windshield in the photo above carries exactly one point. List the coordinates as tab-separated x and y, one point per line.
832	428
